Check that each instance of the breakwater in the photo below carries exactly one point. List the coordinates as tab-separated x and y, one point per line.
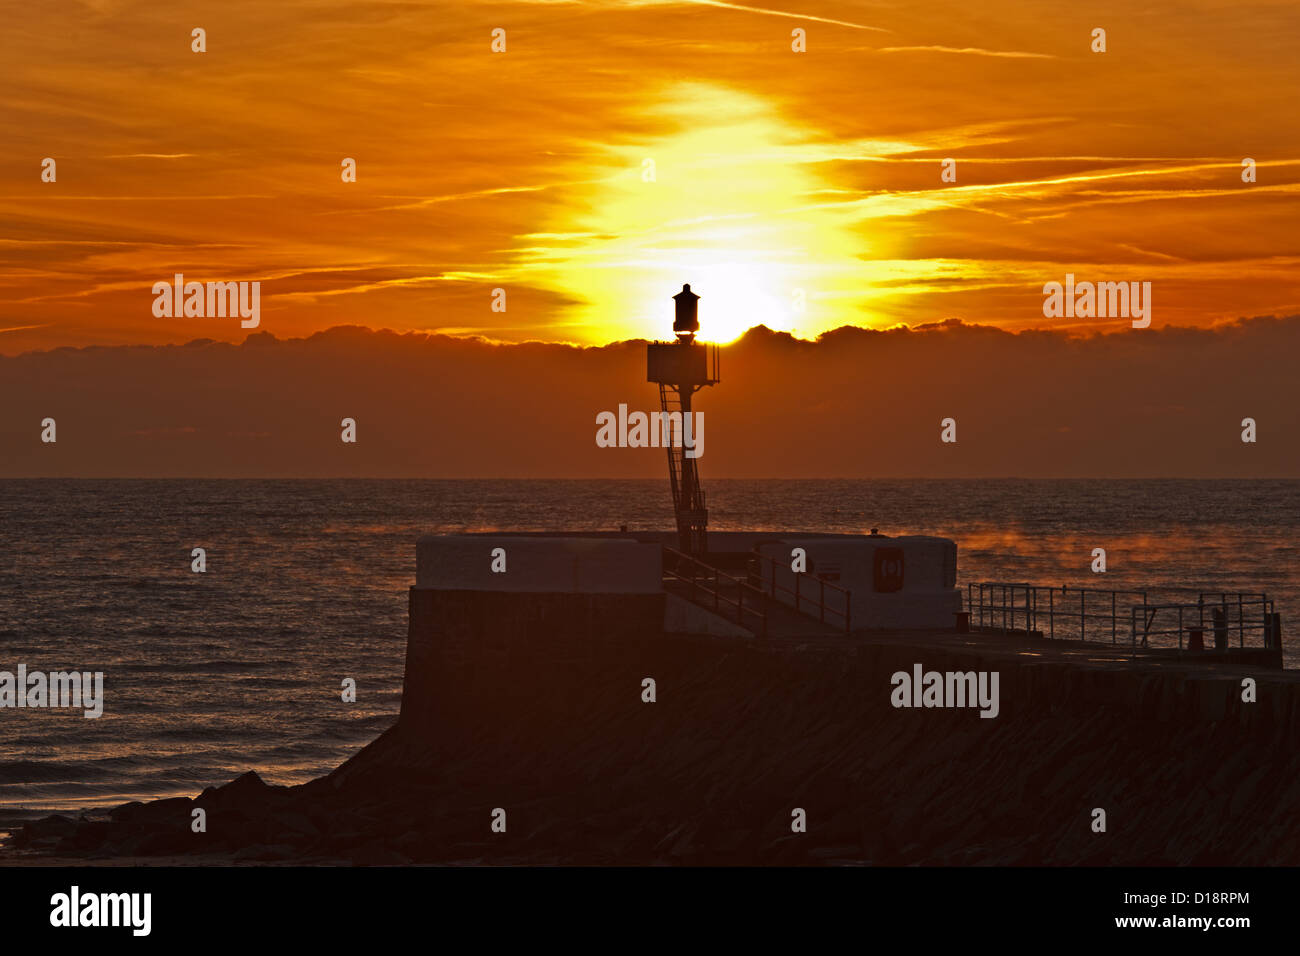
537	708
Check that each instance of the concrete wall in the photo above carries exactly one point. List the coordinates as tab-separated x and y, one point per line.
927	599
471	654
743	730
574	565
683	617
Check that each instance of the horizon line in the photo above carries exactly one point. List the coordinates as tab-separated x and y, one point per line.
1291	478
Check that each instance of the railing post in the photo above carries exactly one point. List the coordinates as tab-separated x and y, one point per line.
1145	625
1241	622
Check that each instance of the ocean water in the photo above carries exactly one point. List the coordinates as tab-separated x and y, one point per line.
209	675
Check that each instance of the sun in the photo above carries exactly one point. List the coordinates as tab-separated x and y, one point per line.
721	197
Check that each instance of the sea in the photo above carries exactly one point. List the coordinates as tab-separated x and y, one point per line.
243	667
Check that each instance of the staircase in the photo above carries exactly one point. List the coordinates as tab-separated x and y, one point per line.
739	600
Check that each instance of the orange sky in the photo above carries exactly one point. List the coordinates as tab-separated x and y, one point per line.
774	171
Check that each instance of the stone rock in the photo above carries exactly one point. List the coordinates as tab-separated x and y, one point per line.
158	812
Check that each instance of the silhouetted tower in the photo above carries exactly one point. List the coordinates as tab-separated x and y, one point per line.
681	368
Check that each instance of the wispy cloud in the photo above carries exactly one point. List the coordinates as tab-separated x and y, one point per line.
971	50
784	13
773	172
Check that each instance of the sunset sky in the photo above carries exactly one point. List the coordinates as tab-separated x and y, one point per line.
775	171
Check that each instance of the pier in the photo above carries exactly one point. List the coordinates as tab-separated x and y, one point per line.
774	657
539	695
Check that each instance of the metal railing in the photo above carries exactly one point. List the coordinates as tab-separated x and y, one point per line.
1145	618
706	584
802	594
1253	615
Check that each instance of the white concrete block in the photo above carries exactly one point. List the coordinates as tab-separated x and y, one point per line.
919	592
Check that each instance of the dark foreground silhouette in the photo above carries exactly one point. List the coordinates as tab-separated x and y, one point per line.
740	735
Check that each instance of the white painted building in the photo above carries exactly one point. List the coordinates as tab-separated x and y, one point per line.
898	583
892	582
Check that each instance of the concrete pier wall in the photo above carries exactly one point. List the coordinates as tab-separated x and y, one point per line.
535	702
530	690
470	651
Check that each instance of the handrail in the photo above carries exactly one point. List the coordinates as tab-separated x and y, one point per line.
1022	607
820	603
695	565
1220	623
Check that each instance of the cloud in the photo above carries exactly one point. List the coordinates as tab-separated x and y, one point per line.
783	13
525	169
971	50
1161	402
